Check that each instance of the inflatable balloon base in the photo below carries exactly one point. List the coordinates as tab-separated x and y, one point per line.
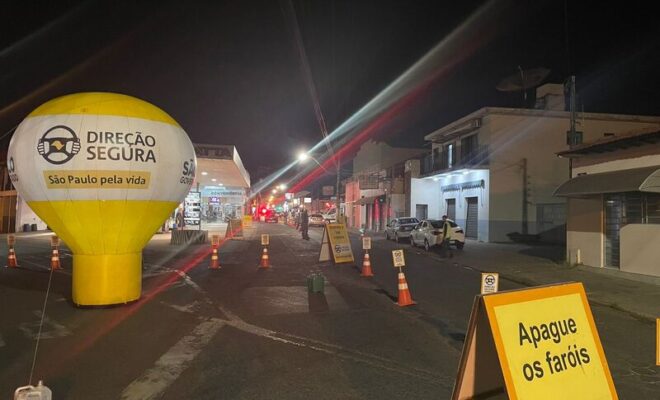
106	279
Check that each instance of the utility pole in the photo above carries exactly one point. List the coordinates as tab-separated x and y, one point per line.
572	134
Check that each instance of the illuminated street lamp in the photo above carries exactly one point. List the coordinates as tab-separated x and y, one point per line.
282	187
302	157
274	191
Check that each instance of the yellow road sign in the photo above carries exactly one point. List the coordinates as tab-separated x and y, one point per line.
546	347
340	245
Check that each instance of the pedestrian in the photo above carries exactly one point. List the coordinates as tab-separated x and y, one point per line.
304	224
180	220
446	236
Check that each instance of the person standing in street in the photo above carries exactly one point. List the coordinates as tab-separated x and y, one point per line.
446	237
304	224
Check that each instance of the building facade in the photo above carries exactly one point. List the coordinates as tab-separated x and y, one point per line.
375	193
613	213
495	171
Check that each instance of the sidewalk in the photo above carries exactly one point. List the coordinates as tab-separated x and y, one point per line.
638	295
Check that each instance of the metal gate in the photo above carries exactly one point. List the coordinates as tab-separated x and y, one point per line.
421	211
451	209
620	209
471	224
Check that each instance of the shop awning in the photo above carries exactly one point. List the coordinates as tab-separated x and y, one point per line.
629	180
367	200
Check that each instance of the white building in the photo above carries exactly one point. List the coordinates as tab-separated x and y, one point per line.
613	218
495	171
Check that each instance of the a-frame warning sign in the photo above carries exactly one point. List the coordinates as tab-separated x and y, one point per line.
539	343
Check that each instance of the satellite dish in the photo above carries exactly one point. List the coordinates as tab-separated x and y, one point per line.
523	79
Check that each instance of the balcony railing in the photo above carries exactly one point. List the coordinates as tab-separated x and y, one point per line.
478	157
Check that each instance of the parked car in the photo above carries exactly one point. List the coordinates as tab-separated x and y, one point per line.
400	228
330	216
429	233
316	220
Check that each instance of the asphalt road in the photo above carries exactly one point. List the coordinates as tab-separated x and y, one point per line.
246	333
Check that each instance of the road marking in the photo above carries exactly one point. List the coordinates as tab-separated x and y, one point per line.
171	364
190	308
179	357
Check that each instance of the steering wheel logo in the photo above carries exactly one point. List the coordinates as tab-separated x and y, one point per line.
59	144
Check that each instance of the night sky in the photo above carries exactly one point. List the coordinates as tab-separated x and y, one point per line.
230	71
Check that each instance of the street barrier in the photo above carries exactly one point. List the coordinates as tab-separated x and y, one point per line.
366	266
405	299
265	261
55	255
366	263
215	243
11	259
11	256
399	261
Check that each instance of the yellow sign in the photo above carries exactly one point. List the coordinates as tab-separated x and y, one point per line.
247	221
215	240
489	282
398	259
265	239
657	342
54	241
546	347
340	245
97	179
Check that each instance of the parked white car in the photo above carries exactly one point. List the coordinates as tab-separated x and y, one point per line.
429	233
400	228
330	216
316	220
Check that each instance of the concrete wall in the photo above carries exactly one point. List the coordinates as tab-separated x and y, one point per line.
584	231
374	156
425	191
25	215
639	249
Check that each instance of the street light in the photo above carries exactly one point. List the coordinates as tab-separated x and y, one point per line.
282	187
274	191
302	157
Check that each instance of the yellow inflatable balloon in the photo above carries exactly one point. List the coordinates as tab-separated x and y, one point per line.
104	171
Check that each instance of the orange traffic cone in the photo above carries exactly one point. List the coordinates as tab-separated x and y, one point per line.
11	258
366	266
55	260
404	294
265	262
215	263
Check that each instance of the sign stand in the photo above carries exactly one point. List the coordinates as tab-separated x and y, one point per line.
324	253
336	242
537	343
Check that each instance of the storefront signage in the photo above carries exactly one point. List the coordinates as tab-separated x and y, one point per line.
192	208
328	190
546	346
463	186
